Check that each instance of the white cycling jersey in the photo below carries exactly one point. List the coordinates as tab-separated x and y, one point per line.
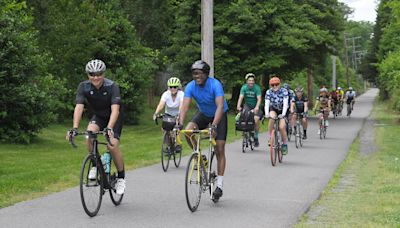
172	106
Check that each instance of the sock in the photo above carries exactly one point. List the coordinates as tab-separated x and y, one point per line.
305	131
220	181
256	135
121	174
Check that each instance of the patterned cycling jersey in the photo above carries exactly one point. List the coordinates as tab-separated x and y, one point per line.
299	103
276	97
323	101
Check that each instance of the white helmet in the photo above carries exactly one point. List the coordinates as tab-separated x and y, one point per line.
95	66
339	88
350	88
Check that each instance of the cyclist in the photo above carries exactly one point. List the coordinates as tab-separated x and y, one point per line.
324	102
350	97
300	107
276	103
251	93
340	96
209	96
334	100
103	96
172	101
288	114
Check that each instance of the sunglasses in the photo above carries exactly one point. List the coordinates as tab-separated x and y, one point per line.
98	74
273	85
173	87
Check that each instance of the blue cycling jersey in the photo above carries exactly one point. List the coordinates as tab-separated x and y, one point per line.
205	95
276	97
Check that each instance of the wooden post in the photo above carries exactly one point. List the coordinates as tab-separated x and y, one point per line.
310	86
207	34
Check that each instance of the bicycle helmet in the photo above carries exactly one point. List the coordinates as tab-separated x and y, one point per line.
95	66
299	89
323	90
350	88
201	65
249	75
339	88
173	81
274	80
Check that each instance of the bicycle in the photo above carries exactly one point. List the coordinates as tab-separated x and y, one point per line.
299	130
334	109
275	149
200	176
349	108
169	143
289	129
322	126
104	181
247	140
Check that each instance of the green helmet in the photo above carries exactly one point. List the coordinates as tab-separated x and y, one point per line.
174	82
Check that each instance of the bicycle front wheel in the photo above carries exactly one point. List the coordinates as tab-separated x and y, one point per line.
91	190
212	174
115	198
300	129
193	182
272	148
165	152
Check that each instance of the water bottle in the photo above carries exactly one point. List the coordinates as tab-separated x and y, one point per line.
205	161
106	159
237	117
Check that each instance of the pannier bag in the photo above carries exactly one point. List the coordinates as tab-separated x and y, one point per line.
246	121
168	122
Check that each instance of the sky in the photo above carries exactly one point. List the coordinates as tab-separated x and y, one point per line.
364	10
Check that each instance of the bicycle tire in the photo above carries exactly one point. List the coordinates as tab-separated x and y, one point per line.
91	208
165	152
272	149
177	158
278	147
115	198
296	138
300	135
212	174
193	178
325	132
244	142
289	132
321	129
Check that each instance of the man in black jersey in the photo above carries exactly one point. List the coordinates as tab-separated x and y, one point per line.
103	96
300	107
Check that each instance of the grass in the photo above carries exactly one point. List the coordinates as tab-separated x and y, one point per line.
50	164
365	189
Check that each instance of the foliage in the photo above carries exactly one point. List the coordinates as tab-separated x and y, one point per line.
26	100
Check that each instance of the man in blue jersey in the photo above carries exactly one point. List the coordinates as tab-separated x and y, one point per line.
209	96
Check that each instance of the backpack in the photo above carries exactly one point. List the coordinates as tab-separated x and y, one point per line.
245	121
168	122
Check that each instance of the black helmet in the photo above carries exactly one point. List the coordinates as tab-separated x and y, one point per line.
201	65
299	89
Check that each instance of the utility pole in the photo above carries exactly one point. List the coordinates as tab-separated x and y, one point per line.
207	34
347	60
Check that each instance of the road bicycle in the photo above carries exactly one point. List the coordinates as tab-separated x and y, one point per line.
275	149
247	140
201	169
169	143
93	189
299	130
349	107
322	126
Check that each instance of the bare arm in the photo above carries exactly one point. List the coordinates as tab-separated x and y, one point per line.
305	106
78	114
184	108
239	103
258	103
160	107
114	115
219	101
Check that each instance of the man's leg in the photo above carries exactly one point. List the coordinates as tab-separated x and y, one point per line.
282	129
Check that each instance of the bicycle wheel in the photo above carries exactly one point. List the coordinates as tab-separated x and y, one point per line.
321	129
278	147
300	129
165	152
348	110
324	131
193	182
296	139
177	158
272	148
91	190
115	198
212	174
289	131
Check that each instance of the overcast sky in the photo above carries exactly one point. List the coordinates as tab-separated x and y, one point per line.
364	10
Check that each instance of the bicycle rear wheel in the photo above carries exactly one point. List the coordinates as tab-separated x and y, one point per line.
115	198
272	149
91	190
244	142
193	182
165	151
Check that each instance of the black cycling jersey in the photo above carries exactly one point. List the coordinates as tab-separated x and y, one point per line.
299	103
100	100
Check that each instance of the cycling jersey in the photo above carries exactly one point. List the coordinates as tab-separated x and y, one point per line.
205	95
299	103
100	100
250	94
350	95
276	97
323	102
171	106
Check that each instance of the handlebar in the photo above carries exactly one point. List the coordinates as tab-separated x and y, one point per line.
207	131
89	133
158	116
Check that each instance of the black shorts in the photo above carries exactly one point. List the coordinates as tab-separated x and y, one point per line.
278	112
259	114
103	122
203	121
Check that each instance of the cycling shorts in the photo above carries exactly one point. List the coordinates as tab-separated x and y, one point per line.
203	121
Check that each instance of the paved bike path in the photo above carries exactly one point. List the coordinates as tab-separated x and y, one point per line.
255	193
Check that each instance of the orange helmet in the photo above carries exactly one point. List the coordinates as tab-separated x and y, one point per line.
274	80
